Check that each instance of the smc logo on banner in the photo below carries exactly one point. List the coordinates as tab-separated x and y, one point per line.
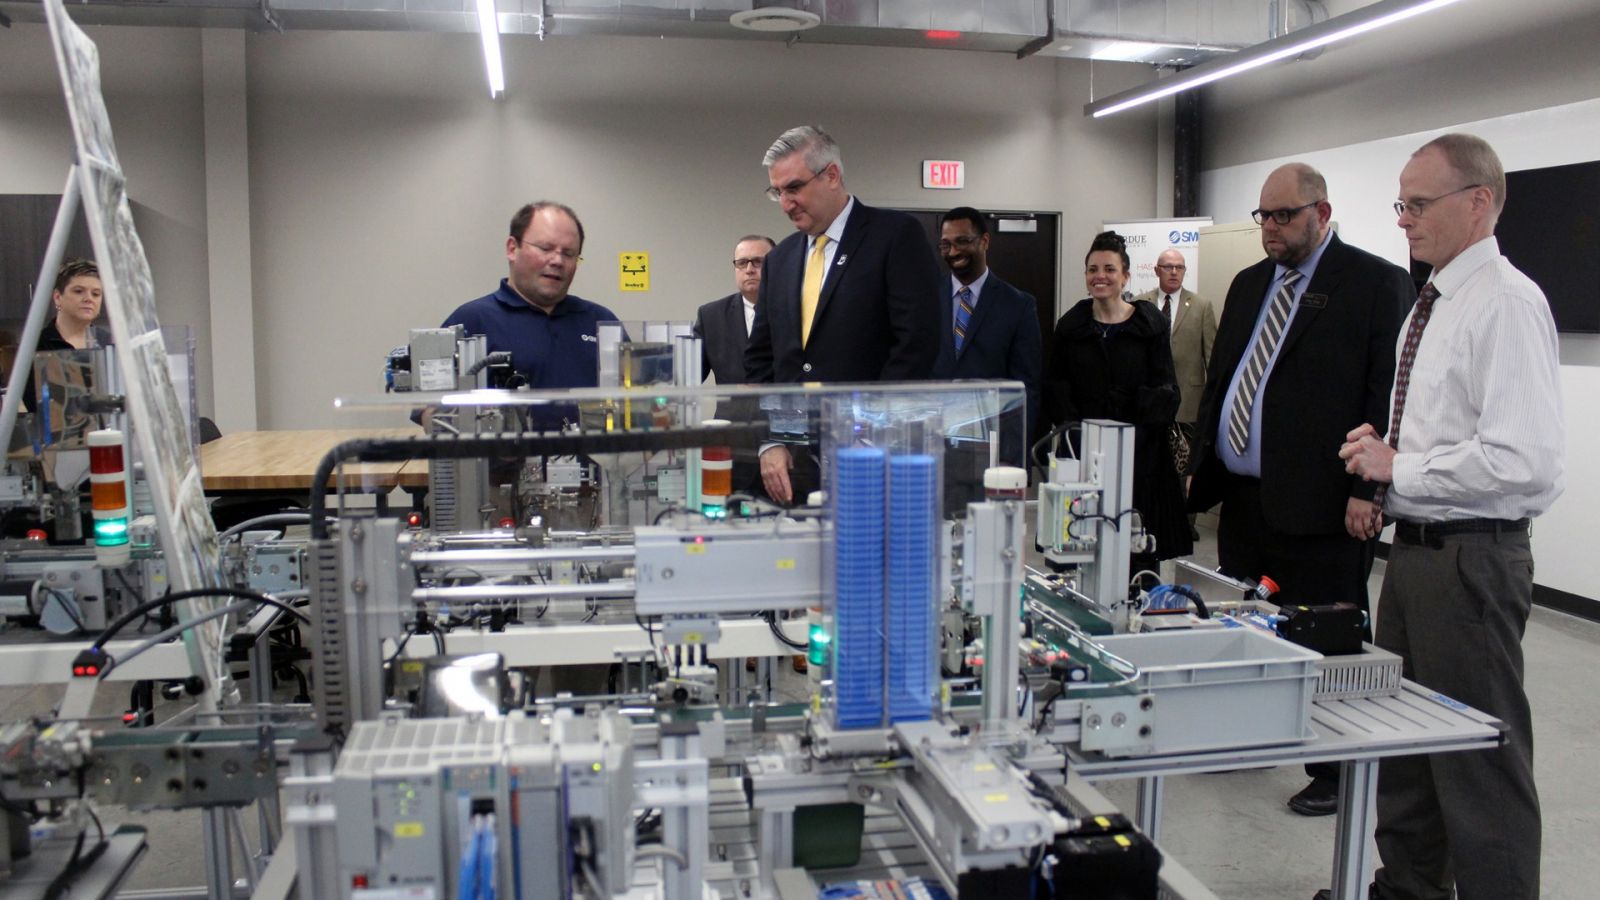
1149	237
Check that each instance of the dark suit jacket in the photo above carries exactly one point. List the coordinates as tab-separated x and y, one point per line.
1334	371
1002	341
877	319
720	327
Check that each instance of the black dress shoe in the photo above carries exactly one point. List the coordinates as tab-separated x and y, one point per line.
1327	894
1319	798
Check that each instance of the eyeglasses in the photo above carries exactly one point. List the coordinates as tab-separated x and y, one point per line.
1280	216
964	242
549	250
1169	267
748	262
1418	205
794	187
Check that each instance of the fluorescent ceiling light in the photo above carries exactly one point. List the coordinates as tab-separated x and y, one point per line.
1367	18
1126	51
489	30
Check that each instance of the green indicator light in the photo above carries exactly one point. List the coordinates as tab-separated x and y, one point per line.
819	639
595	766
110	532
713	511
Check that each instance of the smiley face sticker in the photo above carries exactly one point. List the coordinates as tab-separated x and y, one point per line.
633	271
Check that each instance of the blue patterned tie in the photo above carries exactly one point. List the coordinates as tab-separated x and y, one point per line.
963	315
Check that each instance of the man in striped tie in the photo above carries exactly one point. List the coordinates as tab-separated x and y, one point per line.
1304	353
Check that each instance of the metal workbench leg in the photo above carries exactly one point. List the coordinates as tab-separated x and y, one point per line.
1148	816
218	853
1358	781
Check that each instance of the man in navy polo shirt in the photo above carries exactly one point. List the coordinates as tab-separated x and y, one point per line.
550	333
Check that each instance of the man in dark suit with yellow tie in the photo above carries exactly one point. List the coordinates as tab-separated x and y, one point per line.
852	295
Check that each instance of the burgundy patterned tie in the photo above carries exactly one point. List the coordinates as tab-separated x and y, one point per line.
1402	372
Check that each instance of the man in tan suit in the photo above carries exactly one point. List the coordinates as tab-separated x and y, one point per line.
1192	323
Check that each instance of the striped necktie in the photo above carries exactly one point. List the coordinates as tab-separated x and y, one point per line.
963	315
811	287
1266	344
1402	371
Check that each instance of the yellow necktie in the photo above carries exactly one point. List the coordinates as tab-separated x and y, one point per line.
811	287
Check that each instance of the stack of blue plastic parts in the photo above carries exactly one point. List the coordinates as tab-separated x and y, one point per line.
913	483
858	580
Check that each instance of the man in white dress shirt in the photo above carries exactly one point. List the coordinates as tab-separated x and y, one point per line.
724	325
1473	452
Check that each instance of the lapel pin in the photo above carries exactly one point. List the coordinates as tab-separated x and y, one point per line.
841	259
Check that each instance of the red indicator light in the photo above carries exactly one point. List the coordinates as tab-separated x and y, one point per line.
358	881
414	519
37	534
942	35
77	671
508	522
699	539
128	717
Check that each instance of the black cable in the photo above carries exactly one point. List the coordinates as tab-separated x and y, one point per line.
1065	428
123	620
772	623
128	586
61	601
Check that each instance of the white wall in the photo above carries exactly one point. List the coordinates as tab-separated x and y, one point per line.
382	175
1367	118
378	176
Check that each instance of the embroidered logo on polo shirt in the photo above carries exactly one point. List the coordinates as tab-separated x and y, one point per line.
590	338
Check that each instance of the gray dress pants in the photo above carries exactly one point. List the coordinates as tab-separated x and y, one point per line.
1455	609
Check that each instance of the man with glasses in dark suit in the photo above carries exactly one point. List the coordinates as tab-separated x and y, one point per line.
1304	354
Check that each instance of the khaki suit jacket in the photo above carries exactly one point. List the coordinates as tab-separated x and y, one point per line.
1194	329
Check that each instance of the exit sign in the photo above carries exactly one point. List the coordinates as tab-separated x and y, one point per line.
944	174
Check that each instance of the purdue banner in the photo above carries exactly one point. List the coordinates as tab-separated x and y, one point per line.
1147	238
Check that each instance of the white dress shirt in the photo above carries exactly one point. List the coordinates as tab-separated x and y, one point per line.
749	316
1172	314
1483	434
835	233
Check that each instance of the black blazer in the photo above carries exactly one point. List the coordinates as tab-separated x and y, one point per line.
1003	339
1334	371
720	327
878	317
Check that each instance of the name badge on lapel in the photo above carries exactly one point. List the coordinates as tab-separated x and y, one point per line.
1314	301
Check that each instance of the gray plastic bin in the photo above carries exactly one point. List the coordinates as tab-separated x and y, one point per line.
1224	689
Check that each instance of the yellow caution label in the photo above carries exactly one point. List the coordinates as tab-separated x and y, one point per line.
996	798
408	829
694	637
1122	840
633	271
816	703
785	565
411	666
1102	821
694	549
983	767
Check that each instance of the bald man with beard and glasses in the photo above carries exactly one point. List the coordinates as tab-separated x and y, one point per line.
1304	354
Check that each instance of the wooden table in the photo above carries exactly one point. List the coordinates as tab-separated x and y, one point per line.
287	460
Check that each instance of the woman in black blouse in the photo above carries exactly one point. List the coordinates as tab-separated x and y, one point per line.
1110	359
